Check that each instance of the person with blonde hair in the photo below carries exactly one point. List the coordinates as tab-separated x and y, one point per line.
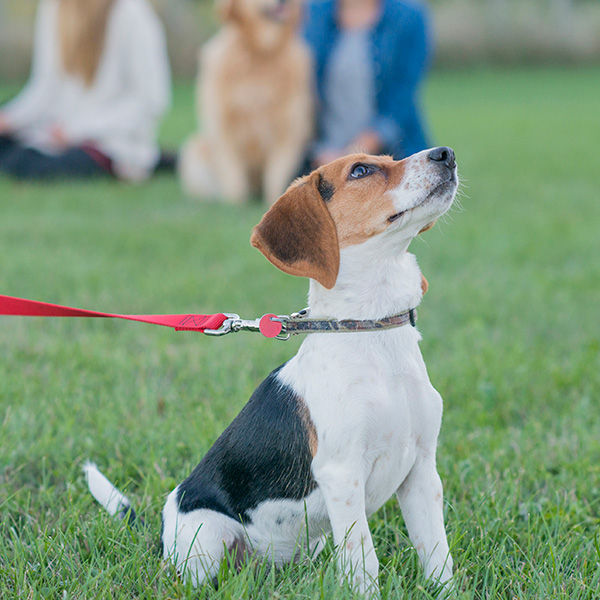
99	84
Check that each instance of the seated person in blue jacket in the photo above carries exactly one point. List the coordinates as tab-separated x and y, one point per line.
369	58
99	85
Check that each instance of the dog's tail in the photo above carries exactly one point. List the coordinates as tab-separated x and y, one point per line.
107	494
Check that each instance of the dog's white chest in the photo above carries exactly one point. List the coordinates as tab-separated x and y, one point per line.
371	402
398	422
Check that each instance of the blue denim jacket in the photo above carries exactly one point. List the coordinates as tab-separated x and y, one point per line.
400	49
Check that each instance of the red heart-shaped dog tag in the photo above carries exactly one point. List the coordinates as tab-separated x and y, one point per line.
268	327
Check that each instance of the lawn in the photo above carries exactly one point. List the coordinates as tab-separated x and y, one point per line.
511	339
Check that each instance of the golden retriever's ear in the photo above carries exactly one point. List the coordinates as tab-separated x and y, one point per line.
298	235
226	10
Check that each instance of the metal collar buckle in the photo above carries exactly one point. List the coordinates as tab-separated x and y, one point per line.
235	323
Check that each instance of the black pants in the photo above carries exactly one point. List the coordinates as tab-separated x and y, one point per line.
22	162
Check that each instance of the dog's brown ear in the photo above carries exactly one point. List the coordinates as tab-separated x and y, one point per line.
299	236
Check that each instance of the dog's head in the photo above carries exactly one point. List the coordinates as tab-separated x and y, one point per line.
265	23
357	200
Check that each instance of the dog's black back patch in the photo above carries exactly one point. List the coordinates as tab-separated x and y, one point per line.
264	454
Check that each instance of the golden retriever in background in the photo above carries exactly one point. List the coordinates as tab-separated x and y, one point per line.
254	101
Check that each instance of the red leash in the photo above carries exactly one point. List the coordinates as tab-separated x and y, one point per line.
280	327
30	308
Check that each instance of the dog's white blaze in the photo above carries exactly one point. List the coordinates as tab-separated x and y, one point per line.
417	184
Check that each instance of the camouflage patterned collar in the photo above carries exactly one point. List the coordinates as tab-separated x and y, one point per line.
282	327
299	323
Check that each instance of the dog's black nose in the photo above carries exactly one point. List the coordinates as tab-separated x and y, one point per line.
443	155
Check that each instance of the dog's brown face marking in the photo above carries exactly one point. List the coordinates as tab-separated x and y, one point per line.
338	205
341	204
360	208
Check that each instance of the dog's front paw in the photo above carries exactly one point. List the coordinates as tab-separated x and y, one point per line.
446	589
362	575
440	575
364	586
369	588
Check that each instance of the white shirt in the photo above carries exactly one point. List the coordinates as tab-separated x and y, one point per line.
120	111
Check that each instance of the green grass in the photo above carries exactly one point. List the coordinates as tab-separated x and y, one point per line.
511	339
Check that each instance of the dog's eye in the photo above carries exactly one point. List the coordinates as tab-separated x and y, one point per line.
360	170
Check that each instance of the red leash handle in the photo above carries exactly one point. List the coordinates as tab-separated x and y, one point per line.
22	307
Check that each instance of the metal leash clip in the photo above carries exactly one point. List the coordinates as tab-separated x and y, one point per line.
226	326
235	323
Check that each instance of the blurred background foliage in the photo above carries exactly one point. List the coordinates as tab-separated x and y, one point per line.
467	32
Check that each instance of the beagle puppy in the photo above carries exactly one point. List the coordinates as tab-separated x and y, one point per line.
352	418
